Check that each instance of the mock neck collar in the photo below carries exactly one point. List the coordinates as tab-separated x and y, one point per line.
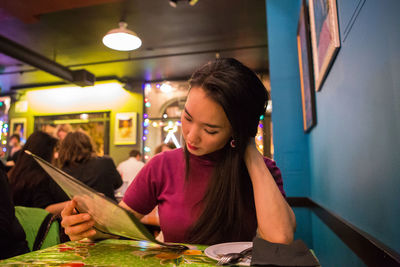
208	159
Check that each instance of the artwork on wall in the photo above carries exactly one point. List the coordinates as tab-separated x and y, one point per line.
125	128
18	126
305	67
324	36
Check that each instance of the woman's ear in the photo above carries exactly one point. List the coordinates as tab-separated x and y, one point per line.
233	143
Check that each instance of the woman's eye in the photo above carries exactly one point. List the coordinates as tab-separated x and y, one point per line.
188	119
210	132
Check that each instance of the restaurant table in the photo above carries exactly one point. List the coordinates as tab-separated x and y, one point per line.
111	252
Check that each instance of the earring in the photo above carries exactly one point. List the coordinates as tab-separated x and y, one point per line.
233	145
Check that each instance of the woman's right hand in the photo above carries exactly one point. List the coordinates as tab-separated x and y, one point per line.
77	226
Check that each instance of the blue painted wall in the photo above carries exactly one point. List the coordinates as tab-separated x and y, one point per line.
354	151
290	143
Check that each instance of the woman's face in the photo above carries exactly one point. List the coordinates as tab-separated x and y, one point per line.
205	126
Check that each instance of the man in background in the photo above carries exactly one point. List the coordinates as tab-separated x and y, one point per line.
14	150
128	170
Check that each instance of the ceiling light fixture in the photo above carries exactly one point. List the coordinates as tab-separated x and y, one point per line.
122	39
173	3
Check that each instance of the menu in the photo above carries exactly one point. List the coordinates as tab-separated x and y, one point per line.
109	217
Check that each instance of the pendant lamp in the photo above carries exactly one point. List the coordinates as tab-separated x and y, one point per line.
122	39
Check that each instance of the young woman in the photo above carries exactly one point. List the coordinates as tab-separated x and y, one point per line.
219	188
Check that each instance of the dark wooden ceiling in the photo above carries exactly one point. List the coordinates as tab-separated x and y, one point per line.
175	40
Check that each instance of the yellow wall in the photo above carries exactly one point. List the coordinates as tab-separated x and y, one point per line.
106	96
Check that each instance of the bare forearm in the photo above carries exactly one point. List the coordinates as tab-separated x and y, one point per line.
276	220
56	208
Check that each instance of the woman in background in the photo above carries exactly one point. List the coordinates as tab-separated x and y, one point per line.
77	157
28	181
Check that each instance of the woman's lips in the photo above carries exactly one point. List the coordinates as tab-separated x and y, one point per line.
192	147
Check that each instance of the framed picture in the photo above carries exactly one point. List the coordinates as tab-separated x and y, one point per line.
324	37
305	67
18	126
125	128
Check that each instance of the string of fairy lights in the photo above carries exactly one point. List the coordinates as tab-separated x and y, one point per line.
4	134
4	125
172	127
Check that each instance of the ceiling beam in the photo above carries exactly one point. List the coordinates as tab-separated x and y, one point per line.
79	77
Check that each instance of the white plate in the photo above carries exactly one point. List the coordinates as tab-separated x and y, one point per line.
215	251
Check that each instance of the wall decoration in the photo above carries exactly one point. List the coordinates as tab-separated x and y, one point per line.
125	128
18	126
305	67
324	36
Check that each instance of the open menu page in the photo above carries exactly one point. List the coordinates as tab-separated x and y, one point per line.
109	217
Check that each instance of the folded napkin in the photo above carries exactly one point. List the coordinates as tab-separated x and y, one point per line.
272	254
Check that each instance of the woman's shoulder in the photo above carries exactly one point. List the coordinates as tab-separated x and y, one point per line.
173	155
165	163
100	160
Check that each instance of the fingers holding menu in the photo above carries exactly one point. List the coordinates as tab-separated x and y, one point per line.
77	226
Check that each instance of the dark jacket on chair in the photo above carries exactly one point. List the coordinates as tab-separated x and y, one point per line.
12	235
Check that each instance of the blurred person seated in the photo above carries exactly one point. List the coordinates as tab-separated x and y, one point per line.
77	157
164	147
28	181
63	130
128	170
12	235
14	150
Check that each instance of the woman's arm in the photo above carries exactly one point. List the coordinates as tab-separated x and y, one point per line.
79	226
56	208
125	206
276	220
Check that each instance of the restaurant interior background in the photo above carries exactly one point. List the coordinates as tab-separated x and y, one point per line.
349	161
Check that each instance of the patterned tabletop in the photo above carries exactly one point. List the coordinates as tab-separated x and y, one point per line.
111	252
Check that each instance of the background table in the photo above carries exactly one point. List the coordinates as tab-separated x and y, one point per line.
111	252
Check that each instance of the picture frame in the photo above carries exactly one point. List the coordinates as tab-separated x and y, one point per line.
18	126
125	128
324	37
306	69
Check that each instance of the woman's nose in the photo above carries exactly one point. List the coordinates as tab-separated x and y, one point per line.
193	136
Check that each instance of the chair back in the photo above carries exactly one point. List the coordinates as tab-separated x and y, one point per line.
41	227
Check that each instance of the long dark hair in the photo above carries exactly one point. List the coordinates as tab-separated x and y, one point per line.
26	174
229	196
77	147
